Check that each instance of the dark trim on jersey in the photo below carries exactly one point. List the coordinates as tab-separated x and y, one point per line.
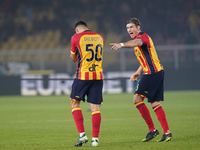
87	31
147	55
79	63
148	58
141	33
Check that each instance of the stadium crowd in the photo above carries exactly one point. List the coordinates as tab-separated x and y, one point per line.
167	22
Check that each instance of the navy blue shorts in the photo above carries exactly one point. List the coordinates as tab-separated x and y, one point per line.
151	86
90	88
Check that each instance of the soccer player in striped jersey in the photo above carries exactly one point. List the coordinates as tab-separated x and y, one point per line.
151	84
87	50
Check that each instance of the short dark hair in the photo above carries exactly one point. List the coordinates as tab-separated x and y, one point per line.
134	21
80	23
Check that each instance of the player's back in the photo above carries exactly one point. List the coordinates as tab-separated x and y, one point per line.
90	54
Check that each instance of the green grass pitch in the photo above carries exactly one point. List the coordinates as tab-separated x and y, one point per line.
46	123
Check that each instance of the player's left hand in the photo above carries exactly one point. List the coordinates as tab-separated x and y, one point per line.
115	46
74	57
134	76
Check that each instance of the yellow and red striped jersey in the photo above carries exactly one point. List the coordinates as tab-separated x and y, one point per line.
147	55
88	46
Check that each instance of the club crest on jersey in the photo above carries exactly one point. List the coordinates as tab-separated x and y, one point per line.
92	69
137	53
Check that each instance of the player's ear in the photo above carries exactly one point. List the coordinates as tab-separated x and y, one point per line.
77	30
138	27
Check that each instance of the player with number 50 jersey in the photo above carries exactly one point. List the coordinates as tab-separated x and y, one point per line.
88	46
87	50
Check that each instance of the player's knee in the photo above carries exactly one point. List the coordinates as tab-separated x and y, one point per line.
137	99
75	103
94	107
154	103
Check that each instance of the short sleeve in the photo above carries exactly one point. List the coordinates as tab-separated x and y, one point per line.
73	45
140	39
144	38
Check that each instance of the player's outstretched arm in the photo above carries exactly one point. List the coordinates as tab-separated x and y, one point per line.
115	46
129	44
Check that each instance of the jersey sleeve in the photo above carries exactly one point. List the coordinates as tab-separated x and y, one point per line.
145	39
102	39
73	45
140	39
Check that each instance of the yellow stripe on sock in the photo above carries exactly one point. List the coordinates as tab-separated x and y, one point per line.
157	107
77	108
95	112
139	103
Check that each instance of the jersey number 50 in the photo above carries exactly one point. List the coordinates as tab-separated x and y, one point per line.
94	53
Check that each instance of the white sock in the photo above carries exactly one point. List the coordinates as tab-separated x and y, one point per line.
81	134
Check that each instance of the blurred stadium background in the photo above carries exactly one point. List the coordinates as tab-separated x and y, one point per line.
35	37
